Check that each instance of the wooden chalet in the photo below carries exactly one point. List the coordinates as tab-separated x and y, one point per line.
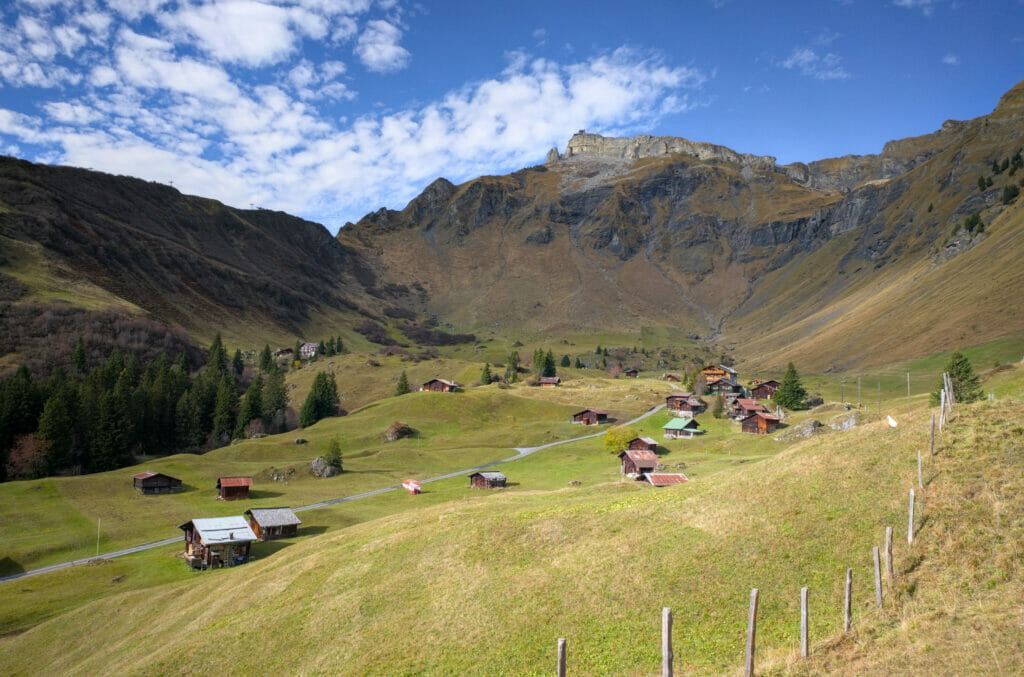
642	444
665	479
590	417
638	461
685	403
308	350
156	483
671	378
681	427
764	390
631	373
713	372
271	523
745	407
550	381
439	385
217	541
233	488
487	480
724	386
761	423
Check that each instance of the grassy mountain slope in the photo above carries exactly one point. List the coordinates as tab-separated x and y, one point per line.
103	241
486	585
777	261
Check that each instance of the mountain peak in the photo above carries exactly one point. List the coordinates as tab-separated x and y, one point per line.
586	145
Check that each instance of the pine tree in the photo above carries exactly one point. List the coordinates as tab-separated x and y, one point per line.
565	361
966	385
237	363
78	356
578	364
297	355
322	400
110	446
597	350
225	410
218	356
57	427
339	345
791	393
252	407
549	365
266	359
485	374
275	396
334	453
403	384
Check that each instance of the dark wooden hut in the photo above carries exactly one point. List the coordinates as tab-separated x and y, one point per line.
233	488
550	381
590	417
642	444
271	523
487	480
764	390
760	423
631	373
156	483
638	461
217	541
439	385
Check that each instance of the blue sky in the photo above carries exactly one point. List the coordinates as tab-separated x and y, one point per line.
329	109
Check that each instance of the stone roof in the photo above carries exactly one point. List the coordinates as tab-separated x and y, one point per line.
273	517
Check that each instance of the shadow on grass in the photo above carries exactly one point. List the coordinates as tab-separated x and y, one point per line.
9	567
263	549
257	494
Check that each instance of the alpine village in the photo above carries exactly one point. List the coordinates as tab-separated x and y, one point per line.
631	405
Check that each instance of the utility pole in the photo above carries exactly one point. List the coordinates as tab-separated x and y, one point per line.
858	392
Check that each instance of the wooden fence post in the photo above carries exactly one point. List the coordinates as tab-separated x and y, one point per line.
666	642
751	634
803	623
847	604
910	522
561	657
920	481
931	440
878	577
888	556
942	408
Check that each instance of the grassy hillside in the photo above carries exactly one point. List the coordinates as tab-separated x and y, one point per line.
486	584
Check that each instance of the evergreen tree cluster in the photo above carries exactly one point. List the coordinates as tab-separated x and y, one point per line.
544	363
330	347
322	400
99	420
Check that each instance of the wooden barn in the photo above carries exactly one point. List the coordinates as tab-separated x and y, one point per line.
439	385
761	423
744	407
156	483
590	417
665	479
681	427
642	444
487	480
631	373
713	372
676	401
638	461
671	378
550	381
724	386
233	488
271	523
217	541
764	390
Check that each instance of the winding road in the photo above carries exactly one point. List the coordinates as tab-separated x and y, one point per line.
523	452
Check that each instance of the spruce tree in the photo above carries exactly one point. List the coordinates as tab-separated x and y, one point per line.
578	364
565	361
403	384
485	374
225	410
78	356
218	356
252	407
57	427
966	385
339	345
322	400
266	359
237	363
791	393
297	355
275	396
334	453
110	446
549	365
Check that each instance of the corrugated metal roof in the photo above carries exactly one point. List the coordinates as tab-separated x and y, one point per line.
648	440
234	529
665	479
273	517
234	482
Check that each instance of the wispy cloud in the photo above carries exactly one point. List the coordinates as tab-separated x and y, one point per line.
951	60
809	62
926	6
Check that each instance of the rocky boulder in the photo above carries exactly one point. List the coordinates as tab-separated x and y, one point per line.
322	468
397	431
801	430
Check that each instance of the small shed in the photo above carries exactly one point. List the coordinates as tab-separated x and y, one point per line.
764	390
439	385
638	461
590	417
487	480
550	381
156	483
217	541
664	479
642	443
760	423
233	488
631	373
681	427
271	523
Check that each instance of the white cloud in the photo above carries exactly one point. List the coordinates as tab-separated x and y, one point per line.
951	60
820	67
926	6
378	47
